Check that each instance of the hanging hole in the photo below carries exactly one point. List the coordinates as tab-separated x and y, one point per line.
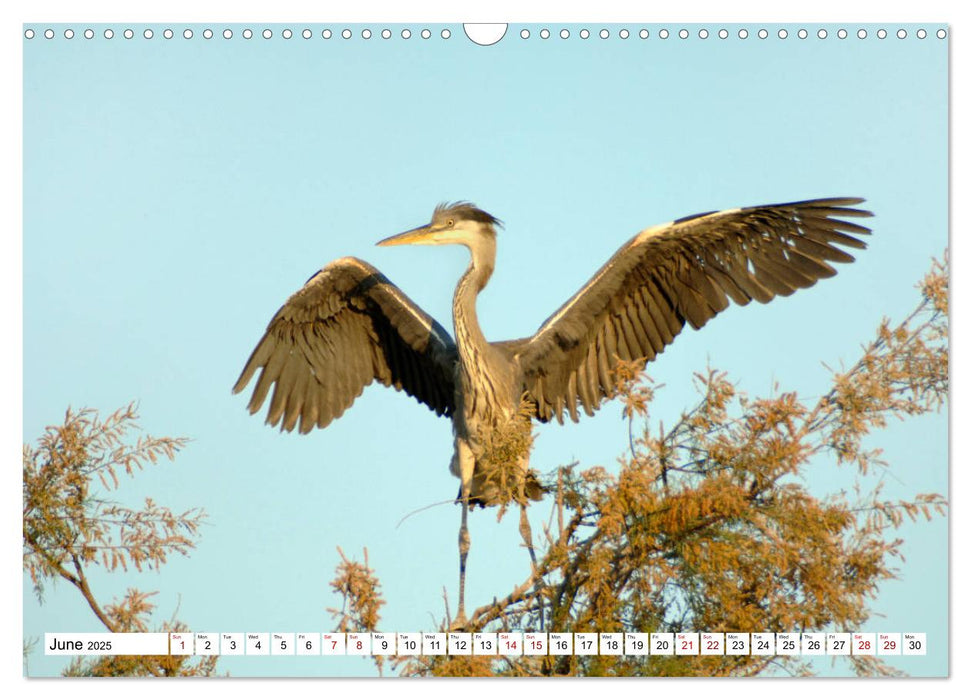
485	34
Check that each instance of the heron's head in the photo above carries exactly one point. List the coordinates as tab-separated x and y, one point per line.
461	222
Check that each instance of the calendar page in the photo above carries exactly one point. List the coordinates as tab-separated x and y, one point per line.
668	396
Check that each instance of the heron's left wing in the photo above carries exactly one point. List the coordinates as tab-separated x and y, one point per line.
682	272
348	326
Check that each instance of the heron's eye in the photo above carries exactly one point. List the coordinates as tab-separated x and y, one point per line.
450	223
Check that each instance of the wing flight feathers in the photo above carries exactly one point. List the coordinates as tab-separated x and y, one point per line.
348	326
686	271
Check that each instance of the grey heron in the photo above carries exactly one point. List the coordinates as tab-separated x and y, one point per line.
349	326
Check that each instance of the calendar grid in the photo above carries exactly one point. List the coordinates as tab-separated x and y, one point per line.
488	644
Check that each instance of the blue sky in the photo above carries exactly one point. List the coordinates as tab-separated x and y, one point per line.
177	191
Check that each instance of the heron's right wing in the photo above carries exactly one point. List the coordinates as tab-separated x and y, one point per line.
684	272
347	326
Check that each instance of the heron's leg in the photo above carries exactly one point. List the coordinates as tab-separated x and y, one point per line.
466	465
525	531
527	534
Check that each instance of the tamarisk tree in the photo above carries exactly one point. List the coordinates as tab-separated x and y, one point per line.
709	523
69	528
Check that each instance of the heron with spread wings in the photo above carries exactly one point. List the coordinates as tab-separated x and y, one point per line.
349	325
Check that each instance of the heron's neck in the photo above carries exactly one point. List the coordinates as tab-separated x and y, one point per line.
473	281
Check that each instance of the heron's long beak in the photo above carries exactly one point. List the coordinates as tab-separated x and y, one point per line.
421	235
